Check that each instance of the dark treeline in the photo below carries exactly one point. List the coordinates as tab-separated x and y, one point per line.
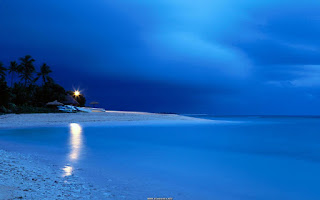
28	89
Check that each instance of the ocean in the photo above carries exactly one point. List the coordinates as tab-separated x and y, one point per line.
227	158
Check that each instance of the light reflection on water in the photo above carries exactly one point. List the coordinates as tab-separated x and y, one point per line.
76	145
266	158
75	141
67	170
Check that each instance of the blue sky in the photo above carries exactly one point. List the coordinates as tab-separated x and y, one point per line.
221	57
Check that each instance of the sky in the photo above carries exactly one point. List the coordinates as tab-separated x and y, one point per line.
230	57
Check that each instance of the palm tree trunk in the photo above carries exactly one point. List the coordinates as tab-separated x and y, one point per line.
11	79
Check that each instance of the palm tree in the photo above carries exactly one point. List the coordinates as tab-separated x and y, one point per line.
44	73
12	69
26	68
2	71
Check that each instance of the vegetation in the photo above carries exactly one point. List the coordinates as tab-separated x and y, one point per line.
29	90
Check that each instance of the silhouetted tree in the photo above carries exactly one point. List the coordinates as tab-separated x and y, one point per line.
44	74
24	96
13	68
49	92
2	71
81	100
20	95
4	93
26	69
4	89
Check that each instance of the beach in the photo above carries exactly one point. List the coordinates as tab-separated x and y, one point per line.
109	117
29	176
24	176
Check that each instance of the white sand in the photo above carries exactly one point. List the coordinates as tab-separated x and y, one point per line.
109	117
24	176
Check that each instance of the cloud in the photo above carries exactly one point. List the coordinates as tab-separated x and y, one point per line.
215	55
309	77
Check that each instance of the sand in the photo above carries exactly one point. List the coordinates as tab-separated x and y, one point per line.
24	176
109	117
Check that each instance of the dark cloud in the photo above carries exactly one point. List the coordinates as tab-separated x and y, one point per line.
231	57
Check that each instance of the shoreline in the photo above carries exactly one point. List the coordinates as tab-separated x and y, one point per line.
29	176
11	121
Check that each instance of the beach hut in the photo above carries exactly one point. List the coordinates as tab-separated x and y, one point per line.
54	103
94	103
70	101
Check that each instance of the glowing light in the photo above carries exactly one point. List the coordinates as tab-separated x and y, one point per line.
76	93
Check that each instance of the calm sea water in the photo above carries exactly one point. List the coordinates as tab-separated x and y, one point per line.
238	158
